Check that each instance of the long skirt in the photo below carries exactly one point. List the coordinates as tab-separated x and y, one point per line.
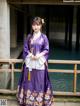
36	90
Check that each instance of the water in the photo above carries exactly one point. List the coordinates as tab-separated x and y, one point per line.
60	81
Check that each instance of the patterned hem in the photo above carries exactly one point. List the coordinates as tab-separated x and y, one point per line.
29	98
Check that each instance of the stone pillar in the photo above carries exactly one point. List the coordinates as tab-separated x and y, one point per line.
4	40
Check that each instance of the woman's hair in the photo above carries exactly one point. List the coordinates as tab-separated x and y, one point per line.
38	21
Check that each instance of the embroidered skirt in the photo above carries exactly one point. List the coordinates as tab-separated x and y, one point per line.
36	90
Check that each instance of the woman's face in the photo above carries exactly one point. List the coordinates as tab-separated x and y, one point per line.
36	28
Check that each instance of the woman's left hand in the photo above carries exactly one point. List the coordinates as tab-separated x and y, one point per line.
37	56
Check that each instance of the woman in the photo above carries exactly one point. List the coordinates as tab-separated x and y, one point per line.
34	87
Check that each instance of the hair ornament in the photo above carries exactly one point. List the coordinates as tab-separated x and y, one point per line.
42	21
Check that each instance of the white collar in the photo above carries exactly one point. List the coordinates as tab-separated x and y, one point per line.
36	35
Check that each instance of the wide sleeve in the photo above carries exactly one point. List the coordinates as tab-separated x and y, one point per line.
26	49
45	49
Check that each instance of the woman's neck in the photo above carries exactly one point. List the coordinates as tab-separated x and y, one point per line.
37	33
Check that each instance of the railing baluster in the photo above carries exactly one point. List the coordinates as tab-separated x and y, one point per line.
75	77
12	76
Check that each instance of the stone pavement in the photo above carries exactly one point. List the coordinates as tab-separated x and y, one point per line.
14	103
61	101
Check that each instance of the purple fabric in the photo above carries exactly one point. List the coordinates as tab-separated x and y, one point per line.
40	45
40	81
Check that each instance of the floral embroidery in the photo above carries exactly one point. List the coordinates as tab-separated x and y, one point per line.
28	93
32	98
37	99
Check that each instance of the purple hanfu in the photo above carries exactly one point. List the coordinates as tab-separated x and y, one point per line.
35	86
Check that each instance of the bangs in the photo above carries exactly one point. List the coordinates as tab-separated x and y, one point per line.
36	22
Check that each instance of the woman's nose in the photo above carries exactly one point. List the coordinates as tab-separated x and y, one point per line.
35	26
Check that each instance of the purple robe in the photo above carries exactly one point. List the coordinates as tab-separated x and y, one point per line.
37	91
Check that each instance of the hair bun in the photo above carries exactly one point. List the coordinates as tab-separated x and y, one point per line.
42	21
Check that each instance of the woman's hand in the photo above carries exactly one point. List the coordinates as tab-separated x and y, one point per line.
35	57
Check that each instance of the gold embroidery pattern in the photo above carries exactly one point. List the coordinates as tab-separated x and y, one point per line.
36	99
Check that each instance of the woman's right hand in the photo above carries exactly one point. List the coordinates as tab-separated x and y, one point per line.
33	57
